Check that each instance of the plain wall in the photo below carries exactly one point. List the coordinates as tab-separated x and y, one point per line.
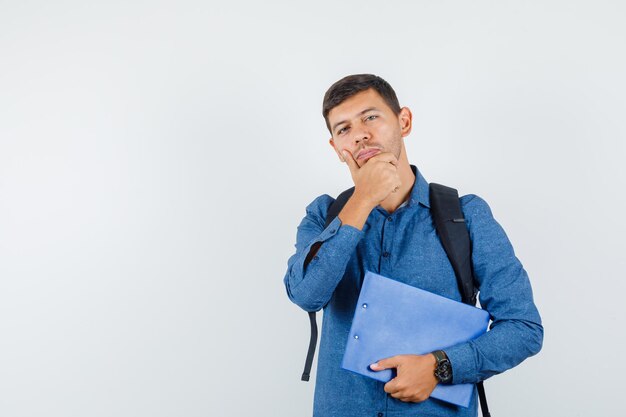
157	157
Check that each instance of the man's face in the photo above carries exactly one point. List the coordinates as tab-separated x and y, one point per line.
365	125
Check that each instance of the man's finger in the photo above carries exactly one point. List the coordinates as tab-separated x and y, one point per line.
391	386
385	364
347	156
385	157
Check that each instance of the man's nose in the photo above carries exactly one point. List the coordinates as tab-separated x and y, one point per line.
361	135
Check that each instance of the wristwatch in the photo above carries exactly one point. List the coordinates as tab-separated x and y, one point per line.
443	371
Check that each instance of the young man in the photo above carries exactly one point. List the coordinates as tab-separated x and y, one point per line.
386	227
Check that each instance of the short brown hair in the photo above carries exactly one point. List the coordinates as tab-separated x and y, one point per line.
354	84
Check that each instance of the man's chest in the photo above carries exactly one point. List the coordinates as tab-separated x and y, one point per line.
407	249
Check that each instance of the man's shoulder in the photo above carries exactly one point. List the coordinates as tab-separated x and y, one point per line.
474	206
470	201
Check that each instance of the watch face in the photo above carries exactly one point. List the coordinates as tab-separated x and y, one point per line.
443	371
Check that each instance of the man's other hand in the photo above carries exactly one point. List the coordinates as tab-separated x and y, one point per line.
415	379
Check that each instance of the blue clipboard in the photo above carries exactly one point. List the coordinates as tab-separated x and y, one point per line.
392	318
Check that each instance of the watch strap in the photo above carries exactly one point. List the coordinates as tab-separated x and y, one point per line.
440	355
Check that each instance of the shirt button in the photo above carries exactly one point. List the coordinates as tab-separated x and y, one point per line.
380	414
389	219
332	230
385	254
316	257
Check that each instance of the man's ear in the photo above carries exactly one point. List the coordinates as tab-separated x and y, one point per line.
332	144
406	121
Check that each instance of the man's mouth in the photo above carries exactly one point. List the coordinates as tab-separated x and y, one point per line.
368	154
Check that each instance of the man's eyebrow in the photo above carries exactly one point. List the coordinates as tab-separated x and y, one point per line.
361	113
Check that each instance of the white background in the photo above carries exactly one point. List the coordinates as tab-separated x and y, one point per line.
156	158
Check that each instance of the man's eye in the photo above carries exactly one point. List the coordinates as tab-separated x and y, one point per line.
372	117
342	130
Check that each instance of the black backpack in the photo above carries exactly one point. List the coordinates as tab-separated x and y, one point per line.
445	209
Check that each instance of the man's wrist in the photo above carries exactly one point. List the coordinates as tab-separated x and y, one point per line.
361	201
443	367
355	212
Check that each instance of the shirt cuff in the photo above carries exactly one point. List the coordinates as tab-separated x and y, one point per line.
463	364
336	249
350	236
336	227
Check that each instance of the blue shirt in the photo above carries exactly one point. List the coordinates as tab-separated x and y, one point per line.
404	246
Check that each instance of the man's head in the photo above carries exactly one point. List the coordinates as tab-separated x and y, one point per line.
354	84
362	113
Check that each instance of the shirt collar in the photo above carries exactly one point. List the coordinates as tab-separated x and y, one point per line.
419	192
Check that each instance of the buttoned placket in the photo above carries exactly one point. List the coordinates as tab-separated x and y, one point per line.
385	264
387	235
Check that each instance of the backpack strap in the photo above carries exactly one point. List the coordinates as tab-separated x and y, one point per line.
312	343
337	205
445	209
483	399
333	210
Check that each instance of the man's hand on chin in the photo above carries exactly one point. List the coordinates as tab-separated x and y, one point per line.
415	379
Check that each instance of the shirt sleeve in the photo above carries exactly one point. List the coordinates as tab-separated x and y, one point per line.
312	287
516	332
